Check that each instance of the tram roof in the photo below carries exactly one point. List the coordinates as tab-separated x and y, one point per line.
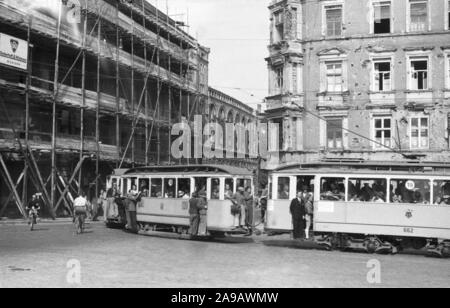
217	169
368	165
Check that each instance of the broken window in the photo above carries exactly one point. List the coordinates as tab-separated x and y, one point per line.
333	16
382	17
382	78
418	15
383	132
420	133
334	76
335	134
419	74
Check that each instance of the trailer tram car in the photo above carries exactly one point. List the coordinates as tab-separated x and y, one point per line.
373	207
166	192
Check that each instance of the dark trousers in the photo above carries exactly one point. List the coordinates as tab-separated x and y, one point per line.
132	221
194	221
299	226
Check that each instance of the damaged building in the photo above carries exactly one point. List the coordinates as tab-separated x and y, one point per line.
99	89
354	80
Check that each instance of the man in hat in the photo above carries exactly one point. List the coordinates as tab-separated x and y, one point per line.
202	206
194	219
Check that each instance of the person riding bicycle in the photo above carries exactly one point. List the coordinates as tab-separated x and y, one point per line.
80	206
33	207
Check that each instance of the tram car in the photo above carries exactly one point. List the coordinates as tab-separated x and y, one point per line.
166	191
371	207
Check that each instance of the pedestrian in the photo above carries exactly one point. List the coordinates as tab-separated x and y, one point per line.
308	201
132	199
80	205
101	204
202	206
112	209
239	208
194	218
263	202
249	210
297	210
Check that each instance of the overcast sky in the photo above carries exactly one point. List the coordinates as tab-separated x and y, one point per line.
237	31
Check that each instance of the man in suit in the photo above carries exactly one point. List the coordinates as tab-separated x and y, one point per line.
298	213
194	215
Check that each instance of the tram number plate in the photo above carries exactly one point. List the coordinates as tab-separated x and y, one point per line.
408	230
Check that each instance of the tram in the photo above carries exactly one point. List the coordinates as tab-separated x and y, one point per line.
165	193
372	207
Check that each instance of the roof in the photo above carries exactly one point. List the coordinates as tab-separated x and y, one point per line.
231	170
366	164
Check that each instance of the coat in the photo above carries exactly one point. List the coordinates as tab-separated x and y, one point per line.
193	206
297	208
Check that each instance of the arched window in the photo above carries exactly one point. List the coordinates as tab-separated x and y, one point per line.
212	113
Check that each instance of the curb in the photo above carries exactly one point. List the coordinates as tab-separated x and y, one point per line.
43	222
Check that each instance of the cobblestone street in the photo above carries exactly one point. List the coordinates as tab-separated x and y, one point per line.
112	258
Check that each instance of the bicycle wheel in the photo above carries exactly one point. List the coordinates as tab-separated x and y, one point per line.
32	223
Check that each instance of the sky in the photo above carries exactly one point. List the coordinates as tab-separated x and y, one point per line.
237	32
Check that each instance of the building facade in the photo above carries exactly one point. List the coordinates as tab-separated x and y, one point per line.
105	82
360	80
222	109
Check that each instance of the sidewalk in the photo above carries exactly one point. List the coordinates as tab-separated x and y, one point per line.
43	221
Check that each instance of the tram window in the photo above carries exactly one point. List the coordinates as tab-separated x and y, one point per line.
200	184
367	190
215	189
229	184
156	190
169	188
244	183
284	188
441	192
124	187
143	187
184	188
410	191
305	183
332	189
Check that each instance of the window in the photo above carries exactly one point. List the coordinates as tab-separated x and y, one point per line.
144	187
156	189
334	76
284	188
334	134
244	183
367	190
410	191
170	188
382	76
184	188
441	192
279	72
333	18
305	183
229	188
419	74
418	15
448	15
382	17
383	132
279	26
332	189
215	189
420	133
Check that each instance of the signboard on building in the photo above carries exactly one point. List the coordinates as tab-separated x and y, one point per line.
13	52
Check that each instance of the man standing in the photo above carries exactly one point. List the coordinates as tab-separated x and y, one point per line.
263	202
202	206
132	199
194	215
112	209
239	201
298	216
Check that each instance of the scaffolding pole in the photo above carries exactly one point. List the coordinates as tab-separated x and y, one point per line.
118	84
146	85
27	110
133	106
55	90
97	113
83	96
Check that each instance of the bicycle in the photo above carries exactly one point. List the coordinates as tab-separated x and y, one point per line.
33	214
79	223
